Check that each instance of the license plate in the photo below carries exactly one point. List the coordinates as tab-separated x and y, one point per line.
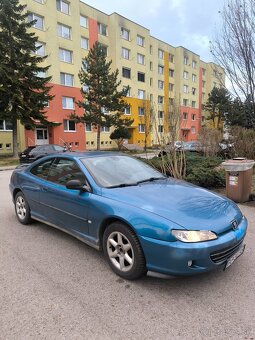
23	156
235	256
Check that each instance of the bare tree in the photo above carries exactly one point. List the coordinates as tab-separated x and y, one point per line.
173	161
234	49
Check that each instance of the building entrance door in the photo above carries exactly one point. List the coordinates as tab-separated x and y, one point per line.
41	136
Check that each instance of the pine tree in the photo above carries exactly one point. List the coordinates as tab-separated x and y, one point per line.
23	93
217	105
103	103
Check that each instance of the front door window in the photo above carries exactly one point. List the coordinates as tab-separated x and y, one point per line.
41	135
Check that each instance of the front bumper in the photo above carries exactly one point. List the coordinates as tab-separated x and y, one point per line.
174	258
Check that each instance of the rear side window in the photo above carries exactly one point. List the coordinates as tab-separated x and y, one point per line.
42	169
63	170
58	148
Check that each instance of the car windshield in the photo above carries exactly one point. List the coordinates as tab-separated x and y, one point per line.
120	171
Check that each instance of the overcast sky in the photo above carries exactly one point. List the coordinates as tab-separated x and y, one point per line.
188	23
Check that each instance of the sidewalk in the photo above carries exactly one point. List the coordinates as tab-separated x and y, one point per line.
8	167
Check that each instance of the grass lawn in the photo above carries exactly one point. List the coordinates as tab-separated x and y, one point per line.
8	161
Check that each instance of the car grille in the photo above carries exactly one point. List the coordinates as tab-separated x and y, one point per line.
224	254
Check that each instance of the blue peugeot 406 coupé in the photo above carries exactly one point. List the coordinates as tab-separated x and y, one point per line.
141	219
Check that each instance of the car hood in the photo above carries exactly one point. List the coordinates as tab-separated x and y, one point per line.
180	202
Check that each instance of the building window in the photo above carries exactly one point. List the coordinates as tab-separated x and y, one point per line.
63	6
186	75
64	31
193	116
203	83
160	128
140	40
83	21
161	114
203	119
125	53
193	129
140	58
193	103
65	55
171	58
203	71
40	48
184	115
88	127
39	1
124	33
193	90
194	64
185	89
151	49
41	74
67	103
126	72
105	128
171	87
128	94
69	125
84	43
151	66
160	84
5	125
185	102
171	73
8	146
127	110
185	60
141	128
203	96
160	69
39	24
160	54
102	29
141	94
66	79
160	100
104	49
140	111
151	82
1	146
141	76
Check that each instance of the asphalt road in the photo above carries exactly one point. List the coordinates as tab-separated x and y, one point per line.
52	286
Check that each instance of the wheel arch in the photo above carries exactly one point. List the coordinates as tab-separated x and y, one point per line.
15	191
107	222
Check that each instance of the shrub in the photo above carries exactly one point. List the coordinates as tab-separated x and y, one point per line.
200	170
206	177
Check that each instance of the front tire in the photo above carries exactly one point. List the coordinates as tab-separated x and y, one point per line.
22	209
123	251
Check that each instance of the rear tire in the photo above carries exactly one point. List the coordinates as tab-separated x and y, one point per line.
123	251
22	209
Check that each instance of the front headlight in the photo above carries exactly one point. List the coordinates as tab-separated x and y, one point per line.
194	235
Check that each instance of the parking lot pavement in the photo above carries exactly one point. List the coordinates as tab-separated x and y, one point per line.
52	286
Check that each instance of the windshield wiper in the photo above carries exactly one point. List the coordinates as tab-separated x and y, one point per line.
122	185
151	179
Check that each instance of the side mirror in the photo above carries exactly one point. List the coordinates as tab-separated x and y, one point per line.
75	184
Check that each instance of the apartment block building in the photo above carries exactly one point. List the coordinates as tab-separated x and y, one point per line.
160	76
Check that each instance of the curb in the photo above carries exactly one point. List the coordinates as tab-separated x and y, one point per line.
11	167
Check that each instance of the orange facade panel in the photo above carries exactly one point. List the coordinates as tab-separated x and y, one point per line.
93	32
57	113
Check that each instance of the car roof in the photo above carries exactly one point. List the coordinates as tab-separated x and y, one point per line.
88	154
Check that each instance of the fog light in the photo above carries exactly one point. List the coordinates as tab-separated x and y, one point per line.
190	262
